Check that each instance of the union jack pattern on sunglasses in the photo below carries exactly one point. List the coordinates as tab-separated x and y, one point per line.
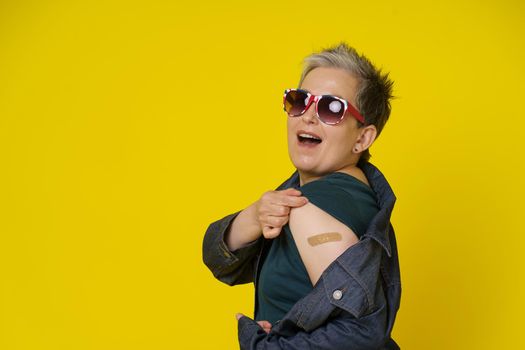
329	109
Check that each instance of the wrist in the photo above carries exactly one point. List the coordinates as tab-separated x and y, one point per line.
244	229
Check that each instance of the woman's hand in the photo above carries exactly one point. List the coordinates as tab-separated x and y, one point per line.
265	325
264	217
273	209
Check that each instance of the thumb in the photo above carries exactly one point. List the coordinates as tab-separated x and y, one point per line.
238	316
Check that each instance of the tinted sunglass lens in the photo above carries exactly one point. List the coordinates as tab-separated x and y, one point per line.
330	109
295	102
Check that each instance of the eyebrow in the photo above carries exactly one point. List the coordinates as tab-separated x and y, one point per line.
341	97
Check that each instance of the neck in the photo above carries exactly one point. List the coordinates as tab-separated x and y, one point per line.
305	177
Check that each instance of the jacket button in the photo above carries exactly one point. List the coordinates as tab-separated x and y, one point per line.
337	294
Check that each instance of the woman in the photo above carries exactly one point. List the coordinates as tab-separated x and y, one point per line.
324	264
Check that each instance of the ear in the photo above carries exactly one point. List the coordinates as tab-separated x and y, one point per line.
366	138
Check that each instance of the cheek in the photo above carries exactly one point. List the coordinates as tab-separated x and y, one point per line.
341	142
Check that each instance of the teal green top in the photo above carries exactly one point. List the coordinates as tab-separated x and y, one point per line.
283	278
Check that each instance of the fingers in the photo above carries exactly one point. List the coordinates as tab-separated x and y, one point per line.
291	191
265	325
278	210
273	209
271	232
280	205
276	221
291	201
271	225
289	197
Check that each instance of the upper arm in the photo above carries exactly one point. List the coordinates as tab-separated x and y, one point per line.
306	223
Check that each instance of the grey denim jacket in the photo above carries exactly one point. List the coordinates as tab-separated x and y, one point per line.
355	301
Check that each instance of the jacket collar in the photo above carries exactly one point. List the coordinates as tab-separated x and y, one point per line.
378	229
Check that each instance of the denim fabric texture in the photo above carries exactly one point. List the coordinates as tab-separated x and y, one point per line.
354	303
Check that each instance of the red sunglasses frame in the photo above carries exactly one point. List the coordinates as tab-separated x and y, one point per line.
315	98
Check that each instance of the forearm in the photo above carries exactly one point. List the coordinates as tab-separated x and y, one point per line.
244	229
230	267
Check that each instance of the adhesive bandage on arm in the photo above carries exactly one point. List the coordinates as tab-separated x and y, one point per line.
319	237
322	238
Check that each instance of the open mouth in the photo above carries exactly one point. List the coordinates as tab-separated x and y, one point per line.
308	139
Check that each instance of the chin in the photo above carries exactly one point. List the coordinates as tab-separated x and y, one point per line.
307	169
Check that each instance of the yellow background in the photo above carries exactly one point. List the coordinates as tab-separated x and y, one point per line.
127	127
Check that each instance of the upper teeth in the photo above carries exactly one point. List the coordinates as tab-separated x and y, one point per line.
309	136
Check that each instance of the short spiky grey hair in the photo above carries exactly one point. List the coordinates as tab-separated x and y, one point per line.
374	90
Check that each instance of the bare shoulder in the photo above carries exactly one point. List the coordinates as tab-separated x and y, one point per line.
319	237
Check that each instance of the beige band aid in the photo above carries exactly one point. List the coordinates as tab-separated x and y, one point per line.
324	238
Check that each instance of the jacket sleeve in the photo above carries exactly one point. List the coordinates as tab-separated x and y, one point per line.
230	267
233	267
346	310
344	332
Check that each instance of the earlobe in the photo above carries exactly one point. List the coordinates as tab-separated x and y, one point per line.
367	138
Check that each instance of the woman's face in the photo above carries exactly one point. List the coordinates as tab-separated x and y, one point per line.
334	152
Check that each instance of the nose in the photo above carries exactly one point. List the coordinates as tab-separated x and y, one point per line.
309	116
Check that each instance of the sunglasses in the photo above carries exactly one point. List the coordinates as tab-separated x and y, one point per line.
329	109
